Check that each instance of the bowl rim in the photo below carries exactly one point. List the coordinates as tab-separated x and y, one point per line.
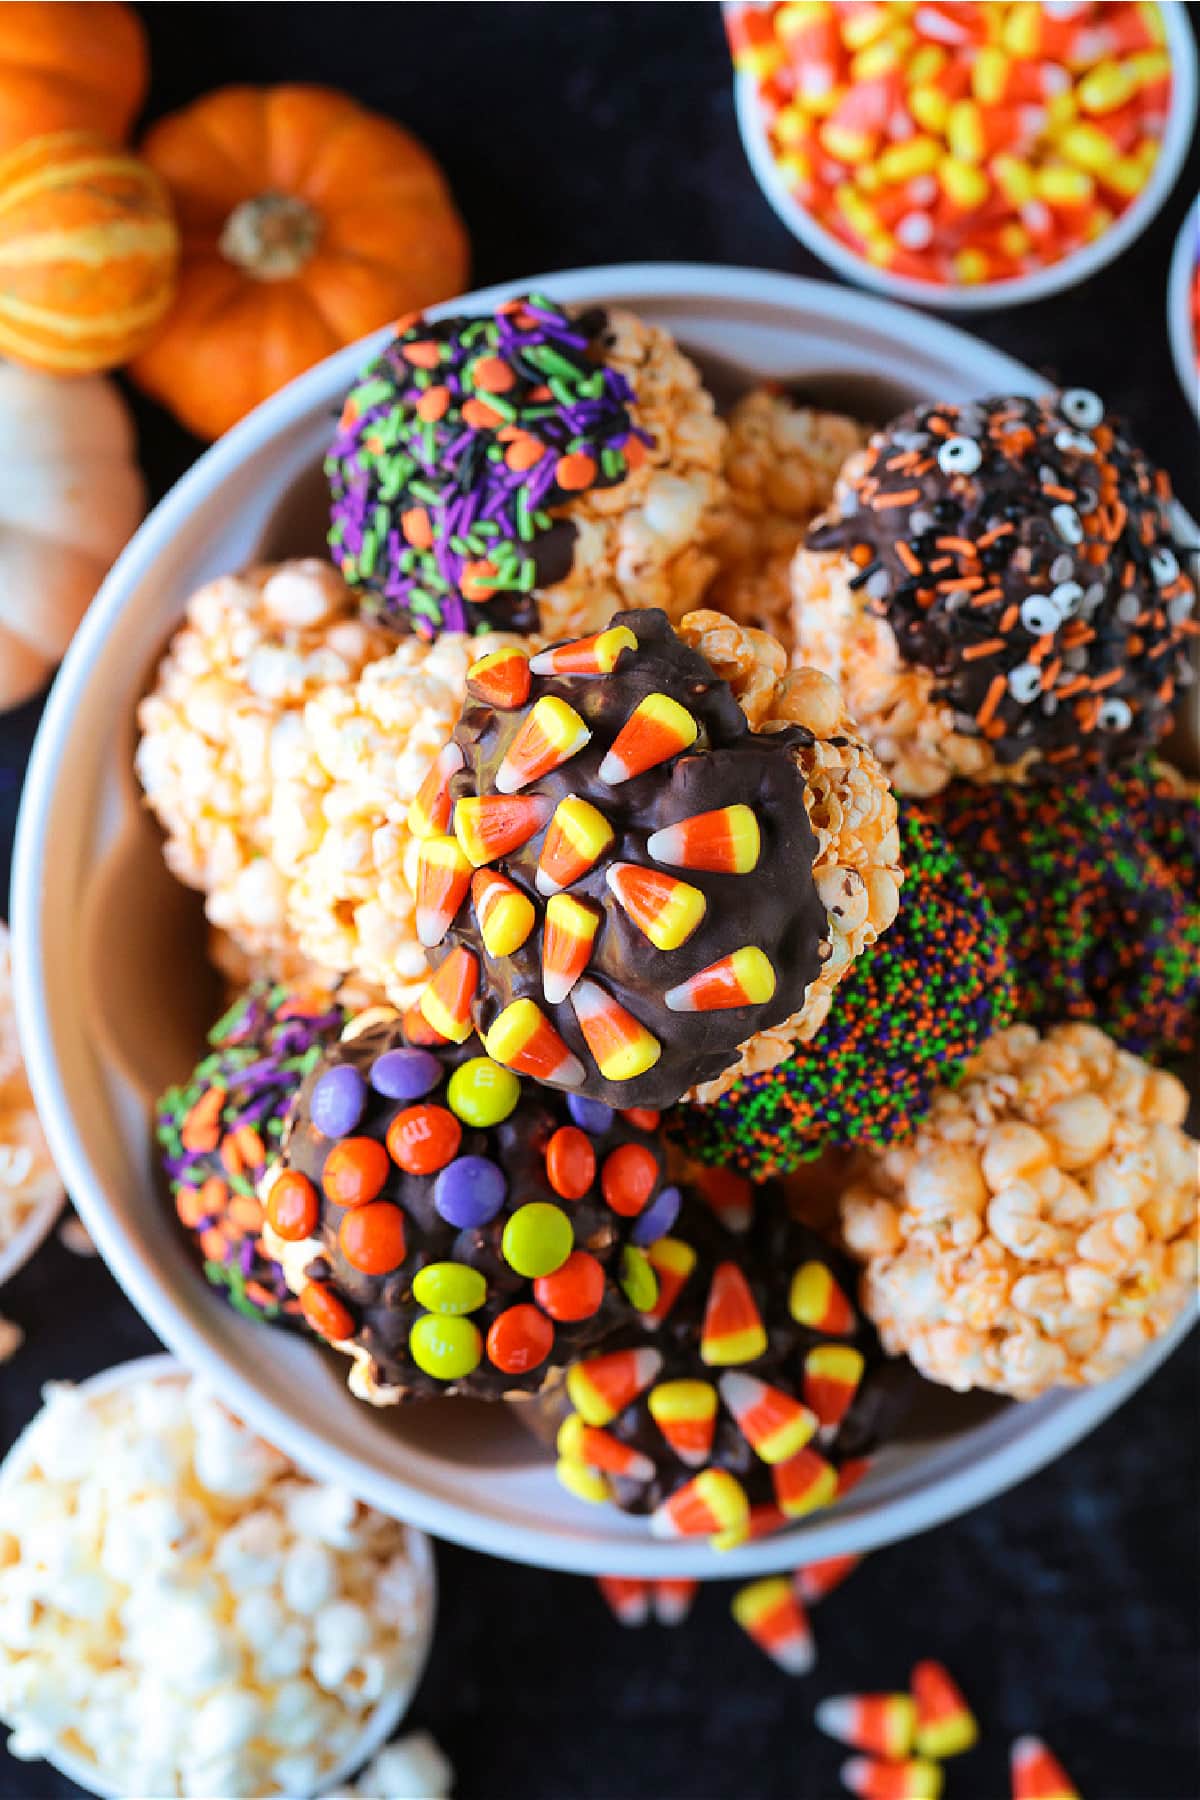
388	1712
970	1481
1185	346
30	1235
1053	278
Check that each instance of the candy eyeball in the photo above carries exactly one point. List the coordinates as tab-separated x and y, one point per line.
1114	714
1040	616
1067	523
1081	407
1075	440
959	456
1164	566
1067	597
1025	683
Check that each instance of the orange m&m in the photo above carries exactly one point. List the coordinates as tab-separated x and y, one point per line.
423	1139
355	1170
570	1162
574	1291
293	1209
325	1312
628	1178
371	1238
519	1339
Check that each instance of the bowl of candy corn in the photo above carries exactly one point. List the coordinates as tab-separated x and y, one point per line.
1183	307
964	156
420	1057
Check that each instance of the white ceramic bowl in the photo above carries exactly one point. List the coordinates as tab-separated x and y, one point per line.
1069	272
1184	348
112	1003
381	1722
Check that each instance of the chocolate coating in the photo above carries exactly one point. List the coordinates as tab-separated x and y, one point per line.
774	907
1033	571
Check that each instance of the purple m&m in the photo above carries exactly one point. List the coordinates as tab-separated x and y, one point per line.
591	1116
658	1217
338	1101
470	1192
405	1074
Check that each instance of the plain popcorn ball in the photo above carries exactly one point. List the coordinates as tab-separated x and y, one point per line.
183	1610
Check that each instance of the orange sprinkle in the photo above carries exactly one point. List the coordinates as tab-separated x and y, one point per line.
991	700
433	404
989	647
201	1128
1101	682
1051	673
575	472
424	354
1057	492
479	415
889	502
1078	686
492	375
908	557
960	546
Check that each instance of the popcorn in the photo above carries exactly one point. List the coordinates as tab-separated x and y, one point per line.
1039	1230
168	1617
28	1178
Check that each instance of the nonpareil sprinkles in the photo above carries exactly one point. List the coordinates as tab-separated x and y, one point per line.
454	451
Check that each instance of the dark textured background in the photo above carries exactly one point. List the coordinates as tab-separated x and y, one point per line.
596	133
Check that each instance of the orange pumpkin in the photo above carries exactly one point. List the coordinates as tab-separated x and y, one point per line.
69	66
307	221
88	251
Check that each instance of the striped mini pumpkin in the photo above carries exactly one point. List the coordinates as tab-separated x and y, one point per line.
88	253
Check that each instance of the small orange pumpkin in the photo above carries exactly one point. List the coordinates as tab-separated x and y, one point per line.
307	221
88	251
69	65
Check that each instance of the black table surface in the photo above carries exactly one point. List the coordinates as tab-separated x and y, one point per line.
578	134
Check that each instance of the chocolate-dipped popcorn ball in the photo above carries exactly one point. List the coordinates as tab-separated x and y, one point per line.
622	884
999	587
748	1398
220	1130
454	1229
531	464
911	1011
1040	1228
224	723
1097	881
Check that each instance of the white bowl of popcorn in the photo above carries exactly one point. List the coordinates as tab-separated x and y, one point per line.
115	993
183	1612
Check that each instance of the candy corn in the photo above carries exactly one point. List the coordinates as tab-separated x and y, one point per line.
571	927
1037	1773
551	735
492	825
881	1724
522	1038
712	1502
584	1483
628	1600
580	1442
727	842
832	1373
596	655
945	1726
603	1386
443	877
501	679
665	910
577	837
621	1047
672	1261
686	1414
765	1517
769	1613
732	1331
446	1000
816	1300
673	1600
913	1780
772	1423
851	1473
817	1579
803	1484
730	1196
429	811
745	978
506	916
657	729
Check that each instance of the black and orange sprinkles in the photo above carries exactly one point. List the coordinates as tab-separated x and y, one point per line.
1022	552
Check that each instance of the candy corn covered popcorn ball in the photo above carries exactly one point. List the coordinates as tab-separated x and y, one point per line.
455	1229
529	464
1039	1230
959	144
628	890
999	586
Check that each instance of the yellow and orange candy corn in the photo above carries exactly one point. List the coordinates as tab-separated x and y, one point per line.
880	1724
673	1599
686	1414
732	1331
621	1046
665	910
429	810
803	1484
577	838
490	826
672	1261
522	1038
914	1779
506	916
730	1196
945	1724
817	1579
567	943
657	729
550	735
770	1614
603	1386
595	655
774	1425
586	1484
712	1504
443	877
1037	1773
725	842
744	978
447	998
580	1442
832	1373
765	1518
816	1300
627	1599
501	679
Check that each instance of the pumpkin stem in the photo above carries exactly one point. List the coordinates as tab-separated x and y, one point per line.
271	236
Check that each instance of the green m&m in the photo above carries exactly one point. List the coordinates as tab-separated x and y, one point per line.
450	1288
482	1093
538	1239
445	1347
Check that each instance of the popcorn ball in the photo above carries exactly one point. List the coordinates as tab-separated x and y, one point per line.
185	1611
28	1178
530	464
1039	1230
224	723
455	1229
999	587
618	880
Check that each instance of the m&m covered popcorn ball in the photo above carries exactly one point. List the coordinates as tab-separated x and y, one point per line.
455	1229
999	587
